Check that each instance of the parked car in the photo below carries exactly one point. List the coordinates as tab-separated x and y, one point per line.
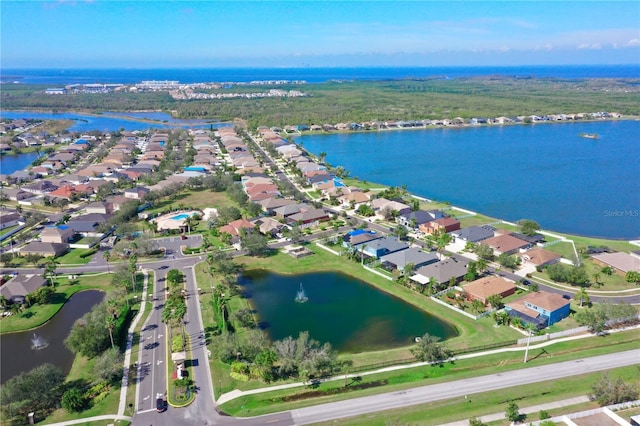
183	237
161	405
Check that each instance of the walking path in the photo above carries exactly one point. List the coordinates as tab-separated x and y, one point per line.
92	419
525	410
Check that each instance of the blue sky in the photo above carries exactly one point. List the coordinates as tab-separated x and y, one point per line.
147	34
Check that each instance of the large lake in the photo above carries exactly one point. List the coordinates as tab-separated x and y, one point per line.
111	121
344	311
545	172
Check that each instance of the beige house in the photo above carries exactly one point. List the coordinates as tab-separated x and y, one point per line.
57	234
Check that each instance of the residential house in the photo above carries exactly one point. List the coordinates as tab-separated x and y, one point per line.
357	237
15	194
442	271
540	257
98	207
136	193
270	204
418	217
57	234
381	205
473	234
442	225
44	249
621	263
20	285
383	246
485	287
87	224
307	218
541	309
9	219
235	228
506	244
402	258
268	225
288	209
40	187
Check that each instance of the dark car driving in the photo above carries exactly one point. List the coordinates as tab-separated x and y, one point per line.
160	405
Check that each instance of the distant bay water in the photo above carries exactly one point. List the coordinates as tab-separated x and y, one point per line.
545	172
58	76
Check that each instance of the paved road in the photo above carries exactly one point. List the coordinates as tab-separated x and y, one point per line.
460	388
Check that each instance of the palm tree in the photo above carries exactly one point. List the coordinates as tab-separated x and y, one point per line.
322	156
111	319
583	296
481	265
50	269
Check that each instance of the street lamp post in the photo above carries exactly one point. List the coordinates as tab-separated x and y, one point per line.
526	352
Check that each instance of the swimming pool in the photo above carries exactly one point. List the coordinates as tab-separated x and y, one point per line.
181	216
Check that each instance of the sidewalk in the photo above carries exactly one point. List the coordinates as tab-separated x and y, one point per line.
534	409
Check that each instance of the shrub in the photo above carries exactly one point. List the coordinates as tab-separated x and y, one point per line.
73	400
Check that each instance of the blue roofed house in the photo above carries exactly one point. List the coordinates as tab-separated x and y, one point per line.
541	309
382	246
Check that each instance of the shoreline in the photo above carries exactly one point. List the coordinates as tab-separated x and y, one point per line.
557	234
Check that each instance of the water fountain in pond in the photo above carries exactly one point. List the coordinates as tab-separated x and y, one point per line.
37	342
300	296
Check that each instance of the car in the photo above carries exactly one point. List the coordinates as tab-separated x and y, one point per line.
183	237
161	405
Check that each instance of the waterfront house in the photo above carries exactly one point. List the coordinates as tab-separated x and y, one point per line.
621	263
541	309
419	217
20	285
506	244
540	257
473	234
382	205
400	259
442	271
357	237
444	224
383	246
483	288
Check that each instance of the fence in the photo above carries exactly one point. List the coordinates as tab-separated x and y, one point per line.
548	336
377	272
485	347
322	246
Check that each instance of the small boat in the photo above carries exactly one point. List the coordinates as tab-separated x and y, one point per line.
589	135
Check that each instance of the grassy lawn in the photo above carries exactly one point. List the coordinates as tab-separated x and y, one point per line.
563	248
613	282
7	230
477	405
476	220
463	368
76	257
193	199
37	315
